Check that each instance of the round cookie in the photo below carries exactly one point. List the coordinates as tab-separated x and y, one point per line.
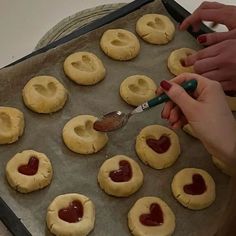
231	102
193	188
189	130
80	136
155	28
28	171
151	216
222	166
120	176
120	44
137	89
11	124
176	60
157	146
71	215
44	94
84	68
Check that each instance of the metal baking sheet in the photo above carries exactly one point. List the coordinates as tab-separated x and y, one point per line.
78	173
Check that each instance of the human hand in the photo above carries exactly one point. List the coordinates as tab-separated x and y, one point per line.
206	111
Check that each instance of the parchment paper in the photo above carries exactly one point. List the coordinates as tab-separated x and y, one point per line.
78	173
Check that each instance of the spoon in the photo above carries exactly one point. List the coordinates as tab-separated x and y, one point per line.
117	119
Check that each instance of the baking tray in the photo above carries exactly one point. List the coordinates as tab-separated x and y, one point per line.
31	208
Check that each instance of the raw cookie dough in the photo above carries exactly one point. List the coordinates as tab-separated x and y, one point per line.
199	185
120	44
11	124
155	28
120	176
231	102
176	60
84	68
71	215
28	171
222	166
155	211
44	94
162	158
189	130
80	136
137	89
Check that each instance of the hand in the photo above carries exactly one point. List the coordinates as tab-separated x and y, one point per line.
206	111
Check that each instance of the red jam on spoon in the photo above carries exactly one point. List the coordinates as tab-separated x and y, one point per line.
161	145
31	168
123	174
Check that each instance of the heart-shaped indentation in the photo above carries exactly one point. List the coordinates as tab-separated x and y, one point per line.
123	174
86	130
154	218
48	91
5	122
31	168
158	24
85	64
140	87
198	186
160	145
121	40
73	213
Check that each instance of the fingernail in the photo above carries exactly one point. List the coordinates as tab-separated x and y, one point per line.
202	39
165	85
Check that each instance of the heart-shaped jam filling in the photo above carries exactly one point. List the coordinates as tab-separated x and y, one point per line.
154	218
73	213
31	168
123	174
197	187
160	145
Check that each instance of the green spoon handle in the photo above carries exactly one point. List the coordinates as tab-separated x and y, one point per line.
188	86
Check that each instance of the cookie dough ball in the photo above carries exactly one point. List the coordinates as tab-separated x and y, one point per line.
151	216
231	102
44	94
176	61
120	44
71	215
28	171
157	146
137	89
120	176
11	124
193	188
189	130
228	170
80	136
155	28
84	68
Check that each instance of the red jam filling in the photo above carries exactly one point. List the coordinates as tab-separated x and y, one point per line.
123	174
31	168
197	187
161	145
154	218
182	61
73	213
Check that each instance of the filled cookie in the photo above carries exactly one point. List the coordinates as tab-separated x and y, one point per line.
176	61
120	176
28	171
193	188
155	28
11	124
137	89
71	215
120	44
151	216
84	68
80	136
228	170
44	94
157	146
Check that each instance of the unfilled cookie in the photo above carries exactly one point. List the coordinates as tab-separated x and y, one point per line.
193	188
84	68
120	176
176	61
80	136
11	124
155	28
151	216
44	94
71	215
28	171
137	89
157	146
120	44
